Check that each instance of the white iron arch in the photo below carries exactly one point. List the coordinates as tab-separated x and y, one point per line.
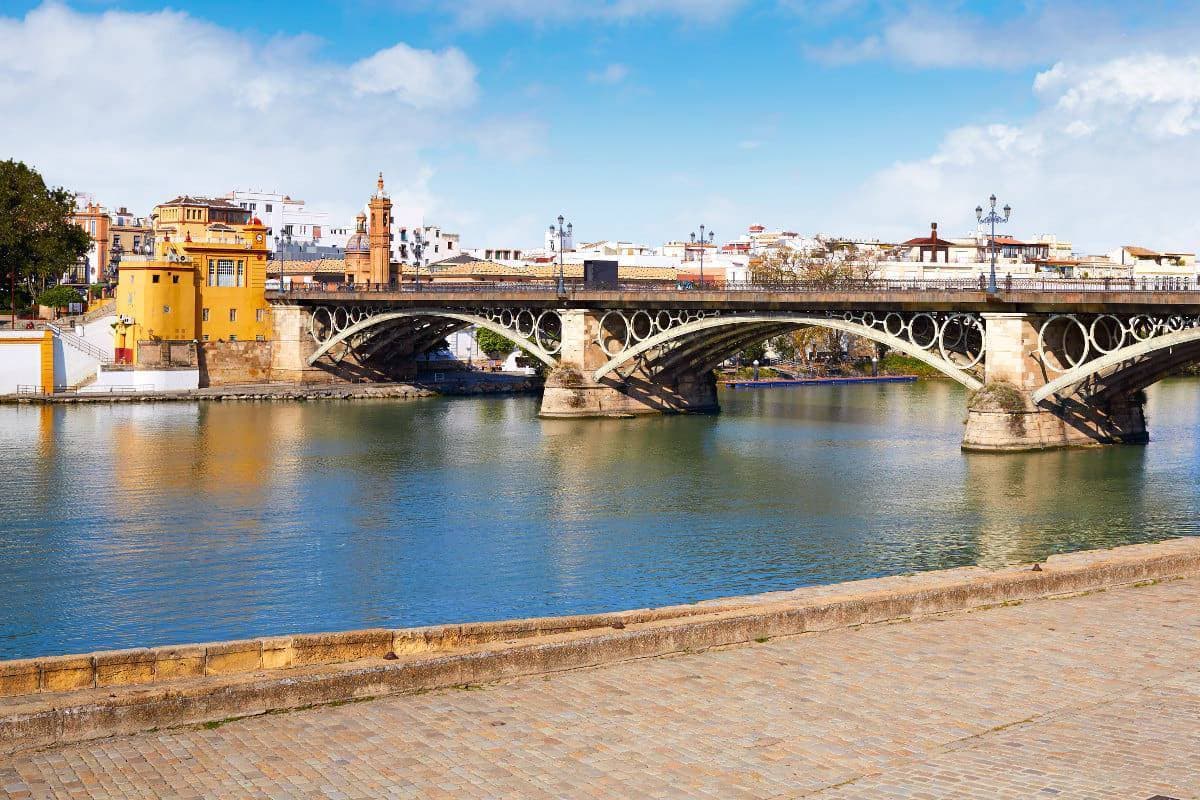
528	345
1097	365
874	334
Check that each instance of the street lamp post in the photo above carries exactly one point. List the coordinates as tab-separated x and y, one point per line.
992	218
563	234
418	247
702	241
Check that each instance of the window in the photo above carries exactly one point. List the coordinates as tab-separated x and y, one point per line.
166	309
233	337
224	275
154	279
174	279
233	315
204	315
270	208
241	273
260	315
260	338
206	337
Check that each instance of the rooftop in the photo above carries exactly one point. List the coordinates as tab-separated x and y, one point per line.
206	202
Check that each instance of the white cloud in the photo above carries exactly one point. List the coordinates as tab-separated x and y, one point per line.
475	13
916	34
612	74
1157	93
418	77
1112	157
749	144
137	107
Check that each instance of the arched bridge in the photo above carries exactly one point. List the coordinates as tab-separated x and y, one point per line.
1077	358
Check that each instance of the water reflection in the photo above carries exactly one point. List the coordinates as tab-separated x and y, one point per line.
140	524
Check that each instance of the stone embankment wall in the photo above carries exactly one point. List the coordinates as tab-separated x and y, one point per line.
167	354
45	701
225	363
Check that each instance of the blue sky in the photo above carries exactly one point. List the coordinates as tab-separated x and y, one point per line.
636	118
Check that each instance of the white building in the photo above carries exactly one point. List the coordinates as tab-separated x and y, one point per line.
504	254
290	219
433	243
550	239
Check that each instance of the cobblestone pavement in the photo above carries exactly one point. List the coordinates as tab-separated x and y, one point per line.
1089	697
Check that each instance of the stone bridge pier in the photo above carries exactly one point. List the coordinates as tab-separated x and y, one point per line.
1013	412
573	390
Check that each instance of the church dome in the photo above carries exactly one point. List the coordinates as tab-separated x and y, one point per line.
358	241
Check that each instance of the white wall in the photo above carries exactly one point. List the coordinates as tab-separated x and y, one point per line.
100	332
71	365
20	364
144	380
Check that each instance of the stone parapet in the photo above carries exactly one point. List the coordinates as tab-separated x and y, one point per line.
61	699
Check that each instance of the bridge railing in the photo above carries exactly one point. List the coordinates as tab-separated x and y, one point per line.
1007	284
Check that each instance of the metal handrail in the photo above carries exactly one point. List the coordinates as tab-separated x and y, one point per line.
1008	284
81	344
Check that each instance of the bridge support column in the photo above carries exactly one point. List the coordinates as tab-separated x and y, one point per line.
1002	417
571	391
291	346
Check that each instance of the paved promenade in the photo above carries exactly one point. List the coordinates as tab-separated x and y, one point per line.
1089	697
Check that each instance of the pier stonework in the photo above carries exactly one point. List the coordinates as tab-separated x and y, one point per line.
572	390
292	347
1003	415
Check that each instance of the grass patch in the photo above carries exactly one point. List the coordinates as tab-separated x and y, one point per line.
899	364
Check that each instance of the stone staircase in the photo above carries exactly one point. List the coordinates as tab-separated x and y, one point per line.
80	344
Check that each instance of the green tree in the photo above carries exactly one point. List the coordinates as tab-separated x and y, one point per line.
59	297
38	241
493	343
755	352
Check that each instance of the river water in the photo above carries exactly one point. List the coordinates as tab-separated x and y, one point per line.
130	525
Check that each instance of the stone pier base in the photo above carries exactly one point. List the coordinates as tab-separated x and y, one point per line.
567	394
1044	428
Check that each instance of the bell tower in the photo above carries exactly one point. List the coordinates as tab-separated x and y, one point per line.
381	235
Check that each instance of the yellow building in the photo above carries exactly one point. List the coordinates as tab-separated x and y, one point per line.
195	215
205	281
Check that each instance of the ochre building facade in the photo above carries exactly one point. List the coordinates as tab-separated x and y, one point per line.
204	282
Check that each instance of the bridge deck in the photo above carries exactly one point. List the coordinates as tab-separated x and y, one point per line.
883	299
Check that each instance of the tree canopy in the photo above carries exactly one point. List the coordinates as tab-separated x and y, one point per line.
59	297
37	237
493	343
839	265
